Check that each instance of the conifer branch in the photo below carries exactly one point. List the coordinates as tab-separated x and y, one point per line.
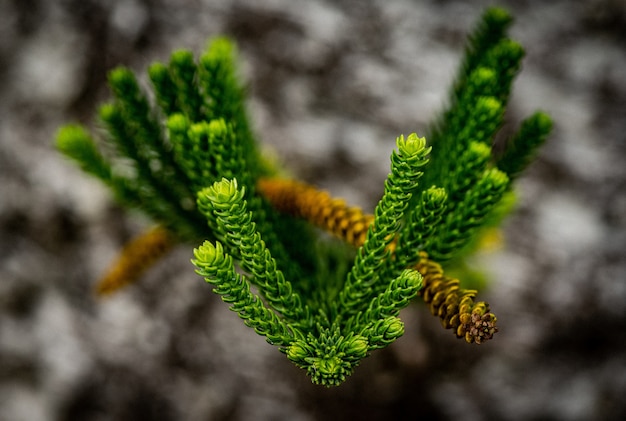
191	163
420	226
506	59
459	226
135	127
77	144
491	28
522	147
473	162
224	204
218	268
164	88
224	98
369	265
151	181
190	151
386	306
330	357
478	97
184	75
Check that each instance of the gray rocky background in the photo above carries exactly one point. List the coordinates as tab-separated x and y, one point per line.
331	86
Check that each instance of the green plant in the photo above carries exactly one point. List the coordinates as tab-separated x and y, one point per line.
190	163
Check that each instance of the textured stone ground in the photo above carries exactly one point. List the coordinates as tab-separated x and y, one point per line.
332	84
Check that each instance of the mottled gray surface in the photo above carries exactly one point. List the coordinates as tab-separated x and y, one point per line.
332	84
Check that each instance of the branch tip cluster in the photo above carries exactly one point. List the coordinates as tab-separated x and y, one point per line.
190	162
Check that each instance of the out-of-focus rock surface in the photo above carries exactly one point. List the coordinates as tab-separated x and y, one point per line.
331	85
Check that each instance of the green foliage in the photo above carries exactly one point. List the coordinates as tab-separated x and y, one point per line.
213	263
373	266
522	147
328	348
225	207
462	161
191	163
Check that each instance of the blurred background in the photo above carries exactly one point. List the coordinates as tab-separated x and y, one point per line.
331	84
